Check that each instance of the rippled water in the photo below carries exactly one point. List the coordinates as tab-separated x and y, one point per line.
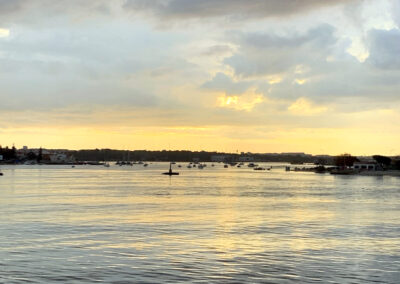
133	225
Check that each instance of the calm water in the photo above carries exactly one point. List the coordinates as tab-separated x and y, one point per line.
132	225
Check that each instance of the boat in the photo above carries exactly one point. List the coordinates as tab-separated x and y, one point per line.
107	165
252	165
1	174
170	172
225	166
145	165
259	169
189	166
200	166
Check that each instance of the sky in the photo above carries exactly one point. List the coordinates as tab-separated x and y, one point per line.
314	76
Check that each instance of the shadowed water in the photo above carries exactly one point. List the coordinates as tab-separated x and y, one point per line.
133	225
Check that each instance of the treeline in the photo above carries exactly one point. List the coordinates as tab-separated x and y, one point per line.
141	155
189	156
8	153
385	163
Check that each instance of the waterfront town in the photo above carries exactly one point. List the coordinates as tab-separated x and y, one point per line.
344	164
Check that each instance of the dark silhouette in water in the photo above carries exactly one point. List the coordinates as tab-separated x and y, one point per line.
170	172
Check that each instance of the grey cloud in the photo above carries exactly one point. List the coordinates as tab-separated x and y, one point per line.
10	6
266	54
187	9
218	50
396	12
224	83
35	12
384	48
330	72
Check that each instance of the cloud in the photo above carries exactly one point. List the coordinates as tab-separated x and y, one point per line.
223	83
34	12
396	11
262	54
303	106
316	65
189	9
384	48
218	50
245	102
11	6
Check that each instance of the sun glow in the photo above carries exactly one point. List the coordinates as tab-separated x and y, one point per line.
300	81
303	106
245	102
4	32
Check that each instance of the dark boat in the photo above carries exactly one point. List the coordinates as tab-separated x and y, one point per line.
259	169
1	174
170	172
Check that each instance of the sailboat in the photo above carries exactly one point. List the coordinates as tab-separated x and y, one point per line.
170	172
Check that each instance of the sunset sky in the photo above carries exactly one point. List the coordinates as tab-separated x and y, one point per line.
315	76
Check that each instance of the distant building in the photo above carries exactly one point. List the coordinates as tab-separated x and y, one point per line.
48	156
218	158
365	166
301	154
246	159
59	158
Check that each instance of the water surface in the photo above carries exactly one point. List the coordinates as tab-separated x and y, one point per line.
133	225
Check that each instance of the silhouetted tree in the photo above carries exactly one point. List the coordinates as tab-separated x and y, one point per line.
40	155
345	160
31	156
321	161
13	152
383	161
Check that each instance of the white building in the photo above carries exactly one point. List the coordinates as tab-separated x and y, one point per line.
61	158
365	166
